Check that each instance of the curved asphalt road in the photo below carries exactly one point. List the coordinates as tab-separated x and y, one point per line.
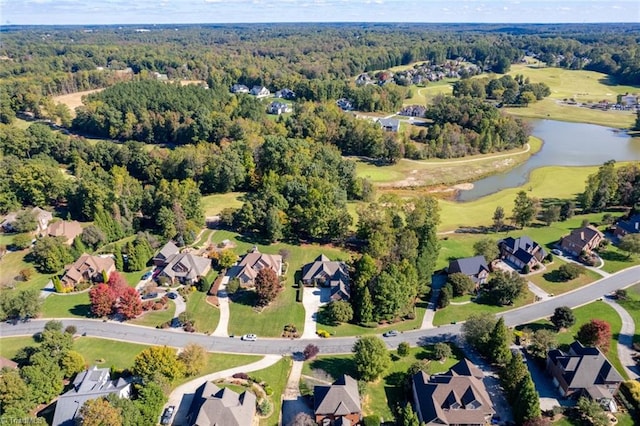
178	338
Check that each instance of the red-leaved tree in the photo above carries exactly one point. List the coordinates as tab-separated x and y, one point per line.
267	286
129	304
102	300
595	333
118	284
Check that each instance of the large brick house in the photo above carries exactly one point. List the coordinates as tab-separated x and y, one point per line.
584	239
521	252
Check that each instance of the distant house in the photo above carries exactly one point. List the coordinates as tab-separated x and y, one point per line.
42	217
364	79
87	268
249	266
389	124
215	406
413	111
239	88
584	371
185	268
278	108
629	100
167	251
338	403
90	384
69	230
457	397
628	226
344	104
584	239
285	94
160	77
521	251
474	267
260	91
328	273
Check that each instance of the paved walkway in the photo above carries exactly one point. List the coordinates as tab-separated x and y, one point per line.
222	329
427	320
292	401
182	396
312	301
625	339
181	306
539	292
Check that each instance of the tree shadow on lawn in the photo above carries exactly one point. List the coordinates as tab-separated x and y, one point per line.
613	256
244	297
554	277
535	326
81	310
335	367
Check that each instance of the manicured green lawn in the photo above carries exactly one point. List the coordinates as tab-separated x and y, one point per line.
133	278
219	362
203	238
584	314
624	419
10	266
632	305
206	316
381	396
550	282
457	313
284	310
213	204
70	305
155	318
356	330
616	260
9	346
276	377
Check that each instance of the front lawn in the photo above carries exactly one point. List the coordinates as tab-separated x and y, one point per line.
70	305
632	305
550	281
616	260
276	377
381	396
219	362
10	266
206	317
155	318
284	310
213	204
457	313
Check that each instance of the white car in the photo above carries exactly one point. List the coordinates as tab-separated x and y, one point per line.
249	337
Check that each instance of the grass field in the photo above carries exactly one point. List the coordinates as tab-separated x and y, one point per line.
10	266
381	396
155	318
70	305
213	204
457	313
421	95
206	316
632	305
284	310
73	100
220	362
551	283
276	377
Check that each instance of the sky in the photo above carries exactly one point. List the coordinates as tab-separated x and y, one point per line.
97	12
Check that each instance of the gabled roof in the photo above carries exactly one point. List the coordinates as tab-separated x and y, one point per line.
391	124
631	225
89	384
322	267
523	247
253	262
167	251
187	266
63	228
223	407
470	266
581	237
456	397
89	265
339	399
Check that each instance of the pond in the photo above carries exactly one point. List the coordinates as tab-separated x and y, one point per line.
565	144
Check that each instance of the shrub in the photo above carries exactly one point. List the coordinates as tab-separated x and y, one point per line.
243	376
299	294
264	407
310	351
71	329
26	274
631	390
526	269
403	349
268	390
82	285
570	271
22	241
371	421
233	286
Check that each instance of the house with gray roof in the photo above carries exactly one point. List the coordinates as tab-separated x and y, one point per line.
185	268
260	91
92	383
239	88
215	406
474	267
521	252
389	124
627	226
167	251
584	371
457	397
41	216
328	273
338	403
247	269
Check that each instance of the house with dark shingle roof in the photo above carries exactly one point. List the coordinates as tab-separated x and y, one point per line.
584	239
474	267
457	397
628	226
247	269
185	268
215	406
167	251
389	124
260	91
328	273
521	252
90	384
338	403
584	371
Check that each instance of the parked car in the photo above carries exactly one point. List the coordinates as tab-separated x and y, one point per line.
249	337
391	333
172	295
557	252
167	414
147	275
150	296
176	323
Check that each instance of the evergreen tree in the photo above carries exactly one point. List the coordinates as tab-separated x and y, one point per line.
406	416
512	375
499	341
119	261
366	306
524	209
498	219
527	404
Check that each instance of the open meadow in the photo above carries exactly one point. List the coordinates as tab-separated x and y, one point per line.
73	100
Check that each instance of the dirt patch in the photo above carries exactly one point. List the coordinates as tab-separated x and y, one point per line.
463	186
74	100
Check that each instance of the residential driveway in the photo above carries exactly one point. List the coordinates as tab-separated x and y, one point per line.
181	306
437	282
549	395
292	402
625	339
182	396
222	329
313	299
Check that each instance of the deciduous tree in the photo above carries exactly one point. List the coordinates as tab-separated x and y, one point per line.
542	341
102	300
460	284
442	351
160	360
486	247
477	329
194	358
371	357
339	311
267	286
630	243
595	333
98	412
504	288
129	303
563	317
72	362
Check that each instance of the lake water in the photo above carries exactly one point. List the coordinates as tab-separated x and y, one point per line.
565	144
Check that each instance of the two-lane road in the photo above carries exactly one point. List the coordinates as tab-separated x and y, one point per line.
178	338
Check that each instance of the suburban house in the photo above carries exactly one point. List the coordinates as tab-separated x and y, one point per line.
87	268
328	273
584	371
42	217
90	384
63	228
260	91
389	124
521	252
344	104
457	397
213	406
278	108
239	88
474	267
247	269
628	226
167	251
337	404
185	268
628	99
285	94
584	239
